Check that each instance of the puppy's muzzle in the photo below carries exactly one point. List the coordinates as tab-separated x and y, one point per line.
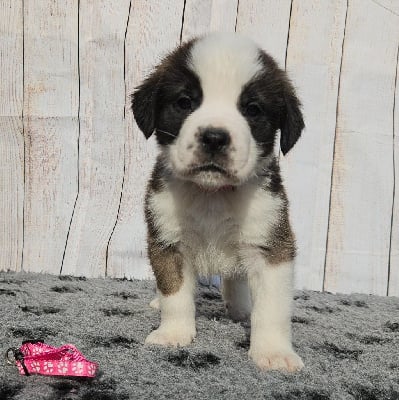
214	140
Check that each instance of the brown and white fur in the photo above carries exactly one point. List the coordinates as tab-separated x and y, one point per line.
215	203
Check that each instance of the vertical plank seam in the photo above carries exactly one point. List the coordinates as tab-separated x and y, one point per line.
182	21
119	209
288	36
23	133
124	57
237	10
393	165
124	145
334	147
78	149
285	63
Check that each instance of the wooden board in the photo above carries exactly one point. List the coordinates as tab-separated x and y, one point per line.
393	288
102	28
51	93
362	184
313	63
147	41
11	135
201	17
267	22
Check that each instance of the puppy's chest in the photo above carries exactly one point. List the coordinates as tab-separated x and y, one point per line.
209	223
209	236
215	222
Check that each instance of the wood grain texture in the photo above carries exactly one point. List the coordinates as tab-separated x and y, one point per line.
392	6
51	129
11	135
205	16
313	63
101	141
266	22
147	41
393	288
362	185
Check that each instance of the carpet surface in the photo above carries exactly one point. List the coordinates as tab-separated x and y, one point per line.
350	344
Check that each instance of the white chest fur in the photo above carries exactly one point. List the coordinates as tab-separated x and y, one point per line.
211	228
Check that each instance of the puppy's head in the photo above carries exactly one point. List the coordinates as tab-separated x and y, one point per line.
215	105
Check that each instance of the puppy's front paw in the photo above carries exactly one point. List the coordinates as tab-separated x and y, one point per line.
285	360
171	337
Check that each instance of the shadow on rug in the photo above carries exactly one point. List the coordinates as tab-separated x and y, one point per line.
350	344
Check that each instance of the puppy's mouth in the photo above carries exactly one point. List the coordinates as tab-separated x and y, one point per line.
210	176
210	167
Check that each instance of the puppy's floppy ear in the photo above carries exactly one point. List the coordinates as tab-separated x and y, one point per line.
144	104
291	120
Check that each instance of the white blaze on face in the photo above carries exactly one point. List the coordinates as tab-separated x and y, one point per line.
224	63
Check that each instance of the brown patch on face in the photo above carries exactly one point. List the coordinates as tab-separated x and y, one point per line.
167	264
154	102
281	247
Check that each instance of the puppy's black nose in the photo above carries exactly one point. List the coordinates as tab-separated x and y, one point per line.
214	139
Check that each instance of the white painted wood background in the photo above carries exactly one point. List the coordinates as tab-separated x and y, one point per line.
73	164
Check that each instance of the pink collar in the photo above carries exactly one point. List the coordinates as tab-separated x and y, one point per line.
36	357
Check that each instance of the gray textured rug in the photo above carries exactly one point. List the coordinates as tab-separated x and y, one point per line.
350	344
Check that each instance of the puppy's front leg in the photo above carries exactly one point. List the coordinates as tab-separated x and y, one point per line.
271	291
176	285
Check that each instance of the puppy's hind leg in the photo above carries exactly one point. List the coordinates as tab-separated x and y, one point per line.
236	295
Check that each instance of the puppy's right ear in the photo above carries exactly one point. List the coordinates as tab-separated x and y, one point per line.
144	104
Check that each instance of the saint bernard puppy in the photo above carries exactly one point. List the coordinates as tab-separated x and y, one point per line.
215	203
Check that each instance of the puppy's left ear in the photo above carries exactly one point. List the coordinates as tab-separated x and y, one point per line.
144	104
291	120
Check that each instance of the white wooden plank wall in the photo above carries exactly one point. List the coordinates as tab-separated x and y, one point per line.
73	164
146	41
11	135
267	22
51	101
393	284
313	61
362	184
102	29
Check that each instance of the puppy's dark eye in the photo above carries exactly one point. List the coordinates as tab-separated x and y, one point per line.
253	109
184	103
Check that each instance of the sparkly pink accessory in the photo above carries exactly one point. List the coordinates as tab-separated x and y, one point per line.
36	357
